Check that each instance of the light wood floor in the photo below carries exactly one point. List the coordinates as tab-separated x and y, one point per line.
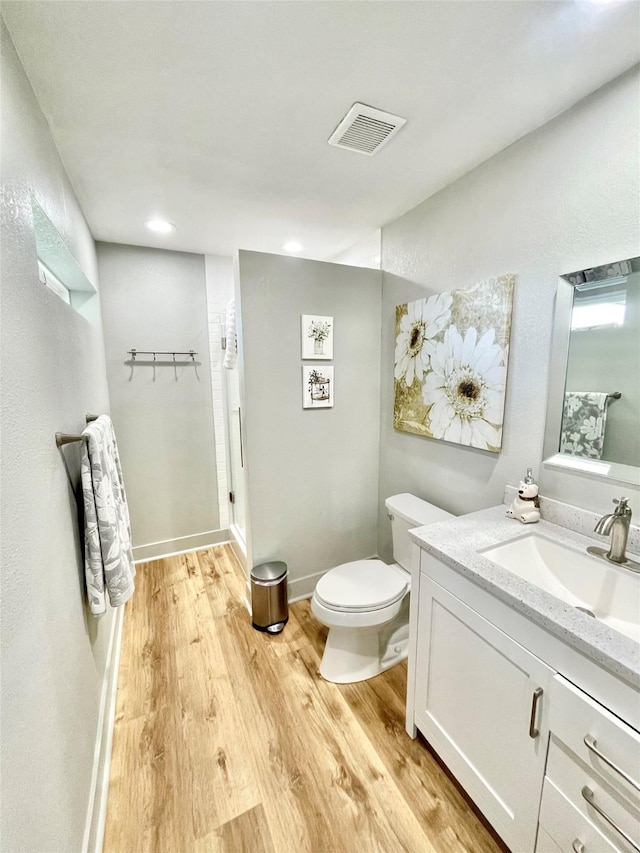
227	739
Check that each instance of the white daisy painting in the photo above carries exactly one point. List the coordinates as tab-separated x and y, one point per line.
451	364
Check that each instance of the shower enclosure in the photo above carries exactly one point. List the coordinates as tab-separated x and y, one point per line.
235	461
226	403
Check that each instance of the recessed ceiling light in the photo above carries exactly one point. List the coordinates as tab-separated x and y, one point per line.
292	247
161	226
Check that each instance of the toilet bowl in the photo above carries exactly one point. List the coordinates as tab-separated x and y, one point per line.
365	603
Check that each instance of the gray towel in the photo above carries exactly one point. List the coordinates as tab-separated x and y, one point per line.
107	536
584	420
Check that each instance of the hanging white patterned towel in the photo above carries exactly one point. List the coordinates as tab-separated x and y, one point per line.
229	360
584	420
107	529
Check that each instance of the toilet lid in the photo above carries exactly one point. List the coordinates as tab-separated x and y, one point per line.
361	585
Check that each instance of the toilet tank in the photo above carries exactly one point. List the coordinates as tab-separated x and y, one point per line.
406	512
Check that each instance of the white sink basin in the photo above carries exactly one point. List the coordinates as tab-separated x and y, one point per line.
612	594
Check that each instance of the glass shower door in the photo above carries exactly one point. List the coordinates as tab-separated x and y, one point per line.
236	459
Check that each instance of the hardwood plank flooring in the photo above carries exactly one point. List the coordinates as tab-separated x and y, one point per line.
227	739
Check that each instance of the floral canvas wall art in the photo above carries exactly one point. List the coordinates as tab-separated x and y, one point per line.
451	359
317	387
317	337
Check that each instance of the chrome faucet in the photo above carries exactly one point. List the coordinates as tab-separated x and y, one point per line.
617	524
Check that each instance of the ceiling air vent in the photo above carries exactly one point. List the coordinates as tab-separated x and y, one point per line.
365	129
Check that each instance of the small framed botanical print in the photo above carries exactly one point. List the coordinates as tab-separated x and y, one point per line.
317	387
317	337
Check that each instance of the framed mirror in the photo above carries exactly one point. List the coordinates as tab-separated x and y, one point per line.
593	408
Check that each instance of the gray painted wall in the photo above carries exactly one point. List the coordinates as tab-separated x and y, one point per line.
593	356
312	474
53	651
154	299
563	198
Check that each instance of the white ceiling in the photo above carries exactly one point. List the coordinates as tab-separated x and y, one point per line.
216	115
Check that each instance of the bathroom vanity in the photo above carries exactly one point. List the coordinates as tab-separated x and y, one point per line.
533	704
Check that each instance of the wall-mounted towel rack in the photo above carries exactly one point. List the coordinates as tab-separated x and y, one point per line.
65	438
136	352
615	396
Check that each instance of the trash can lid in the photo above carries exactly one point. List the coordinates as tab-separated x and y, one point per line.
269	571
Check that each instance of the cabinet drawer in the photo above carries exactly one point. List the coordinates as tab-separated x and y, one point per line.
571	777
567	827
577	720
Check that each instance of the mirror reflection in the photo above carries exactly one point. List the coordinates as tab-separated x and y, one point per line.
601	406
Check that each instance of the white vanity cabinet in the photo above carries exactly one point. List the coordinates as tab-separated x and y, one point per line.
481	701
494	693
591	794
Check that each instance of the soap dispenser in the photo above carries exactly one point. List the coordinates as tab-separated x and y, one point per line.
526	505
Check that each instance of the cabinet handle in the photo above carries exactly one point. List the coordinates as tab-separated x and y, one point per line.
590	743
537	694
578	846
587	793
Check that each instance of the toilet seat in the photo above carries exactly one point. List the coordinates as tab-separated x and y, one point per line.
361	586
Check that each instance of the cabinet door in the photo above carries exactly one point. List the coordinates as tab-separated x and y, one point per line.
480	700
546	844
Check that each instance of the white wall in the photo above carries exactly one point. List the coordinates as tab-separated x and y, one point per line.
363	253
53	652
153	299
220	284
563	198
312	474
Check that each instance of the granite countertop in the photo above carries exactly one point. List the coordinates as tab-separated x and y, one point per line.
456	544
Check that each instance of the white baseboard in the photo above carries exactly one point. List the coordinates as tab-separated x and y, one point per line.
296	590
98	795
303	587
156	550
176	553
239	547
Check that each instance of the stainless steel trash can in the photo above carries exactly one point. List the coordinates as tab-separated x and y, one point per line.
269	600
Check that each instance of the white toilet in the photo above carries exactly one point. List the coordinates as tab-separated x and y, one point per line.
365	604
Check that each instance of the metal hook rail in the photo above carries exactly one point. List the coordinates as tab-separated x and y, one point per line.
136	352
63	438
